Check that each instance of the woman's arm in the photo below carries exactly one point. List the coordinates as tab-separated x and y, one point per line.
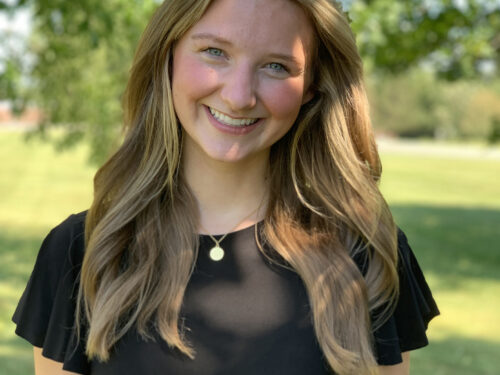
45	366
399	369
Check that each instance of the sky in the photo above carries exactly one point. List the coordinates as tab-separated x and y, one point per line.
14	30
19	23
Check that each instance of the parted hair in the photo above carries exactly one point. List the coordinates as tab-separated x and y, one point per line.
325	208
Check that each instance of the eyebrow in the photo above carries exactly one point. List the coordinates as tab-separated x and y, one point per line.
288	58
218	39
212	37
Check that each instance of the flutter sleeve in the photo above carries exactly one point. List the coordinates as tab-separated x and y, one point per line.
406	329
45	315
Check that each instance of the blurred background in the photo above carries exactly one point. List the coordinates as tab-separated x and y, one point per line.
432	71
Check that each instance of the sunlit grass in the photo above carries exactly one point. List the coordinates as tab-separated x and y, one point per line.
449	208
38	186
441	181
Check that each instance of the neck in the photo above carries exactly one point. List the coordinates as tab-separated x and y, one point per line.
230	195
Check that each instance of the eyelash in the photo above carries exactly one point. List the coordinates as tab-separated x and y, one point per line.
211	51
282	68
216	52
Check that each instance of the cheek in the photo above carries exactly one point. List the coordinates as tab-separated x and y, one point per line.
283	100
191	78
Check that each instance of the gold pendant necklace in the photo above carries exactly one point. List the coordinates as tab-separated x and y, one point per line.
216	253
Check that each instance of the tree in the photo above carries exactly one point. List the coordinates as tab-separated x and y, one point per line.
458	38
82	50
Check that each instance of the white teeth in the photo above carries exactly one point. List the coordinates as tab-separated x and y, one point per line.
232	121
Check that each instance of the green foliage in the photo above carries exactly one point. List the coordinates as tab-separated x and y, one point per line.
9	83
12	4
83	52
406	105
416	104
454	37
494	135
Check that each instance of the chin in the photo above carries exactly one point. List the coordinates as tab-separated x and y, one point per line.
232	154
229	157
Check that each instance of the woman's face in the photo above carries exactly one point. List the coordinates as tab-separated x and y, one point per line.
240	77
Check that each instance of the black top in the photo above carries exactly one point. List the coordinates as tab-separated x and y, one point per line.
245	315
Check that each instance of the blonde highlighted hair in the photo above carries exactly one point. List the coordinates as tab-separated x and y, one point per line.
325	206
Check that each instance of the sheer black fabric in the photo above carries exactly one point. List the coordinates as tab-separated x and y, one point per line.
245	315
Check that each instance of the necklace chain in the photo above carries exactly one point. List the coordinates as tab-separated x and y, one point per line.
218	241
217	252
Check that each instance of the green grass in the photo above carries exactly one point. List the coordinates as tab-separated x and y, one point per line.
38	188
441	181
449	208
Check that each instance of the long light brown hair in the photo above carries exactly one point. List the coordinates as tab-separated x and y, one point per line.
324	210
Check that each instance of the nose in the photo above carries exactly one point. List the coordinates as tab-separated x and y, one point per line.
238	90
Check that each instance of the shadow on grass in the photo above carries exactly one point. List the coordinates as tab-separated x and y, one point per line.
448	241
16	356
18	254
454	243
456	355
17	258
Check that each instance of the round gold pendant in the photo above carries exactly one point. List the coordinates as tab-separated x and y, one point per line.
216	253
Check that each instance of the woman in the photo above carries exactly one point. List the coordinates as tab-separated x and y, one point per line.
239	229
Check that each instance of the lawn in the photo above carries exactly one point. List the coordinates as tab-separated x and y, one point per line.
449	207
38	188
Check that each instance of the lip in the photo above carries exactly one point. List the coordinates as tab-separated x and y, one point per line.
231	129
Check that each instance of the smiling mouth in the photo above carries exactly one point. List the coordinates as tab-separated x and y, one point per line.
226	120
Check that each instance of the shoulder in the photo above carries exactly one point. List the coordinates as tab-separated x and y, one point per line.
415	307
69	234
70	228
406	257
405	253
46	310
56	269
61	251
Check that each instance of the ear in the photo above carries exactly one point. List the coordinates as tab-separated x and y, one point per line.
308	95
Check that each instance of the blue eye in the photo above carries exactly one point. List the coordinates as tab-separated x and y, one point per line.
214	52
277	67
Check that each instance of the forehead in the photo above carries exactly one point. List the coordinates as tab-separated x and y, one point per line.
258	24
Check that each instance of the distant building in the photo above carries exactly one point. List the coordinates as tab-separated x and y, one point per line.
27	120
